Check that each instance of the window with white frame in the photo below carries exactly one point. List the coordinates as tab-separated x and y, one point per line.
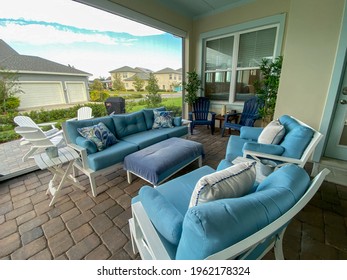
232	62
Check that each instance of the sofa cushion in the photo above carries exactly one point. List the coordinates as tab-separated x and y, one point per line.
162	119
86	144
272	133
110	156
146	138
171	226
296	141
234	181
99	134
127	124
149	116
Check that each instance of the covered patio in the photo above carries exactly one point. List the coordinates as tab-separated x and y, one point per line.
80	226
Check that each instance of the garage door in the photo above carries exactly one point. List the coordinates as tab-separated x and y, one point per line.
40	94
76	92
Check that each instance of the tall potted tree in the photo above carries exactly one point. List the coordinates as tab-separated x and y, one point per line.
191	87
267	88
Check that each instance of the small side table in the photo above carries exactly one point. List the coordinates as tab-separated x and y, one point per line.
54	165
259	175
187	123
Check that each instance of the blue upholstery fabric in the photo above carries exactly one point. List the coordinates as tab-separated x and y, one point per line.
152	164
146	138
171	227
264	148
234	147
87	144
111	155
296	141
250	133
211	227
71	126
177	121
149	116
127	124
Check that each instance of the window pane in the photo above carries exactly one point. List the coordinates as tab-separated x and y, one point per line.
245	79
219	53
255	46
217	85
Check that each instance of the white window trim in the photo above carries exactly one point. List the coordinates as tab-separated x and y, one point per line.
264	23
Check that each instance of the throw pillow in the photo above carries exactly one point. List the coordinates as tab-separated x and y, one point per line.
272	133
162	119
234	181
99	134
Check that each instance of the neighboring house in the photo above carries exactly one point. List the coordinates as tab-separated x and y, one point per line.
169	79
127	75
43	82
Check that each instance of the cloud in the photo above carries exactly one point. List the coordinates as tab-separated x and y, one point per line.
71	13
41	33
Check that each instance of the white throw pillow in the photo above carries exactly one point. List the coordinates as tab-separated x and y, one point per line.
272	133
234	181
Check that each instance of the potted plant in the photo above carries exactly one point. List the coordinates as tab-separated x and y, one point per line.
191	87
267	88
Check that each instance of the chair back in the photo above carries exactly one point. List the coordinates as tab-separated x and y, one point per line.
201	108
25	122
250	111
35	136
84	113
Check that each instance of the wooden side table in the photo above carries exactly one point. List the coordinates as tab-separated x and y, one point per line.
54	165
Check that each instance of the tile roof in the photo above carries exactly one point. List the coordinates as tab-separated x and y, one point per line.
11	60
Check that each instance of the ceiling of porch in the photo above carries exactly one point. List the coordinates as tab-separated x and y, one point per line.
200	8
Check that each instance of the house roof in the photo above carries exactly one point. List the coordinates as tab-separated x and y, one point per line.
168	70
141	75
13	61
125	69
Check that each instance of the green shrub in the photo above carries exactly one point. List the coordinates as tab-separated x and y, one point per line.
99	96
12	103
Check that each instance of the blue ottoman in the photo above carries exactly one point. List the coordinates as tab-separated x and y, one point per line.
160	161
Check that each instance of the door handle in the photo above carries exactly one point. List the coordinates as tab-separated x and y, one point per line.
343	101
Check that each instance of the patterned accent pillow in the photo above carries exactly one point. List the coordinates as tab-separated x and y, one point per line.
162	119
99	134
272	133
234	181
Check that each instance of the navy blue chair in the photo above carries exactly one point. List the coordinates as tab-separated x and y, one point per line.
248	116
200	114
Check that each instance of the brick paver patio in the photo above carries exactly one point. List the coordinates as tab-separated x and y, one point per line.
80	226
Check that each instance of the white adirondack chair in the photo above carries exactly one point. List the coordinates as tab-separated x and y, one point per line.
25	121
84	113
37	138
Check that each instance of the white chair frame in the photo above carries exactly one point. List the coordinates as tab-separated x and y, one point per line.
37	138
147	242
26	121
83	113
317	136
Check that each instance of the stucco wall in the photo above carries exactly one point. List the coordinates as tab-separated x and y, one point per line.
310	47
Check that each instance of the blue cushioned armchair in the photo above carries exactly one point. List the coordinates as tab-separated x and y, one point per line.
163	227
296	146
201	114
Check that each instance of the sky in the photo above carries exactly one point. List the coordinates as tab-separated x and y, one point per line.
94	41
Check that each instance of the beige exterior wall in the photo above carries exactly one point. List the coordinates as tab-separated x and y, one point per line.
166	80
310	49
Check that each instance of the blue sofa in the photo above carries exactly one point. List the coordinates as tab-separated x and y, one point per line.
170	229
133	132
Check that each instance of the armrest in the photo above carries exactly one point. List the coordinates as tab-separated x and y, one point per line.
270	149
83	153
52	124
247	132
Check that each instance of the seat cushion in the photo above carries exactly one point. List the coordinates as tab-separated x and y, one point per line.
234	181
110	156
